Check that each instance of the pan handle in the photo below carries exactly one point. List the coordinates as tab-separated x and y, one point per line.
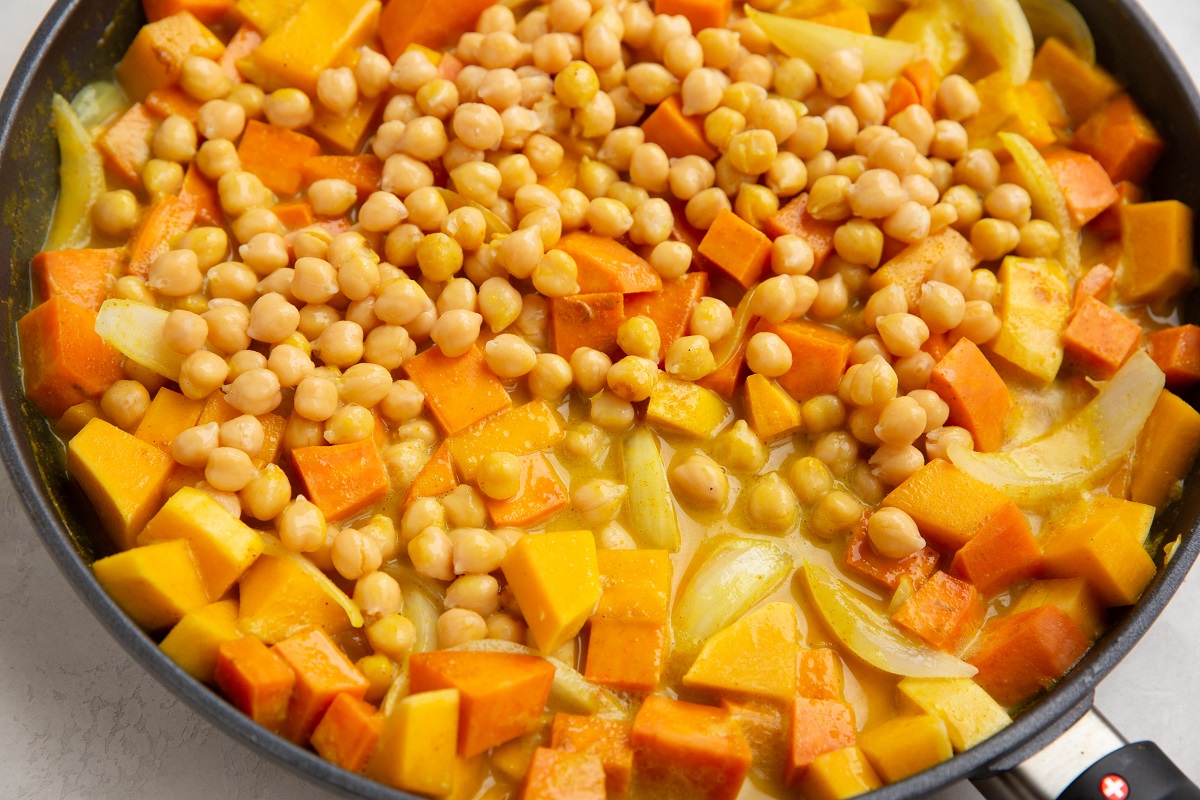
1092	761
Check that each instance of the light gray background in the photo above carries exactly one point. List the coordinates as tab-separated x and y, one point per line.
80	719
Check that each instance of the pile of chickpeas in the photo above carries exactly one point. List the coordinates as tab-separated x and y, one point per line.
322	324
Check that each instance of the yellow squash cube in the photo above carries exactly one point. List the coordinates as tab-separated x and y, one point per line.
224	547
753	657
169	415
156	585
122	476
636	584
1166	448
904	746
345	134
521	430
279	599
1071	595
685	408
266	15
1102	540
313	39
1156	240
193	642
1034	304
155	59
556	580
75	417
970	713
416	749
837	775
771	411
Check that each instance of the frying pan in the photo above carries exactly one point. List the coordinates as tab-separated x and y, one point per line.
1050	749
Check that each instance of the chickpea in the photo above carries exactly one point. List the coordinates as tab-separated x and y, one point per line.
834	514
633	378
455	331
957	98
598	501
768	355
893	464
771	504
700	481
478	593
903	334
499	476
301	526
838	450
464	507
611	412
267	496
550	377
476	551
690	358
671	259
203	79
939	441
459	626
201	374
229	469
901	422
823	413
810	479
404	401
391	635
354	554
125	403
340	344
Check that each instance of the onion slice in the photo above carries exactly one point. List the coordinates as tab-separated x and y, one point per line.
136	330
1048	201
81	177
1061	20
883	59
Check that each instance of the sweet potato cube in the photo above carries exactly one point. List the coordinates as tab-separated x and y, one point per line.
279	598
607	739
348	732
556	774
502	695
948	505
970	713
636	586
126	144
606	265
323	30
676	134
839	774
1177	353
122	476
1085	185
416	749
276	155
459	391
1022	654
819	358
1100	339
256	680
671	308
817	727
426	23
155	59
155	585
540	496
976	394
1156	239
161	226
1082	87
342	479
346	134
701	13
909	267
1121	139
365	172
794	219
586	320
435	479
224	547
1166	448
1002	553
1096	283
689	745
65	361
904	746
169	415
1108	223
522	430
1103	541
862	558
173	101
819	674
1072	596
627	656
737	248
772	413
753	657
684	407
322	673
80	276
194	641
944	612
556	580
1034	304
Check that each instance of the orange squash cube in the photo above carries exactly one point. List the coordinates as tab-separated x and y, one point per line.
736	247
1103	540
155	59
819	675
818	727
943	612
698	748
978	397
276	155
862	558
627	656
540	496
342	479
1166	448
1121	139
347	734
560	774
587	320
819	357
676	134
606	265
949	506
636	586
256	680
81	276
64	360
607	739
322	673
671	308
1177	353
459	391
435	479
1020	655
1000	554
1100	339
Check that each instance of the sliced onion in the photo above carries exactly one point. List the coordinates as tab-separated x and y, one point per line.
883	59
873	638
1081	451
1048	201
1000	28
1061	20
651	504
81	180
98	102
273	547
136	330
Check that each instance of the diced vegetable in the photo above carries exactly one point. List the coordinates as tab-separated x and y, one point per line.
557	773
975	393
127	144
606	265
266	15
1048	201
556	577
1121	139
701	13
323	30
1166	448
256	680
1021	654
1002	553
729	576
883	59
795	219
699	747
155	59
194	641
671	308
1103	540
651	507
81	177
570	692
970	714
735	246
81	276
888	572
871	637
1100	339
606	739
819	675
944	612
348	732
323	672
459	390
1034	304
909	267
157	585
627	656
1072	596
282	596
769	409
161	226
1085	185
427	23
342	479
819	357
276	155
521	430
541	495
817	727
435	479
365	172
1080	451
904	746
587	320
755	656
65	361
637	586
416	749
684	407
676	134
1177	353
1156	241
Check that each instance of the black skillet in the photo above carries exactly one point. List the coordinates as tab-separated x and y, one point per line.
1049	750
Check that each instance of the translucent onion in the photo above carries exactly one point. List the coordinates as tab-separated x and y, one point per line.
81	177
1061	20
651	504
136	329
883	59
1048	201
97	103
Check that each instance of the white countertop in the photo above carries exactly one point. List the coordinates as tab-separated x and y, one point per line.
80	719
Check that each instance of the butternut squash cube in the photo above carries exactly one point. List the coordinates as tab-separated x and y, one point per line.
556	580
1156	240
949	506
156	585
909	267
556	774
75	417
194	641
904	746
313	39
522	430
771	412
169	415
1072	596
684	407
1102	540
838	775
1034	304
122	476
322	673
697	750
755	656
1166	448
637	586
224	547
155	59
416	749
266	15
970	713
627	656
279	599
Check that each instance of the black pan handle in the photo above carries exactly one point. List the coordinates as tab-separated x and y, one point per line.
1092	761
